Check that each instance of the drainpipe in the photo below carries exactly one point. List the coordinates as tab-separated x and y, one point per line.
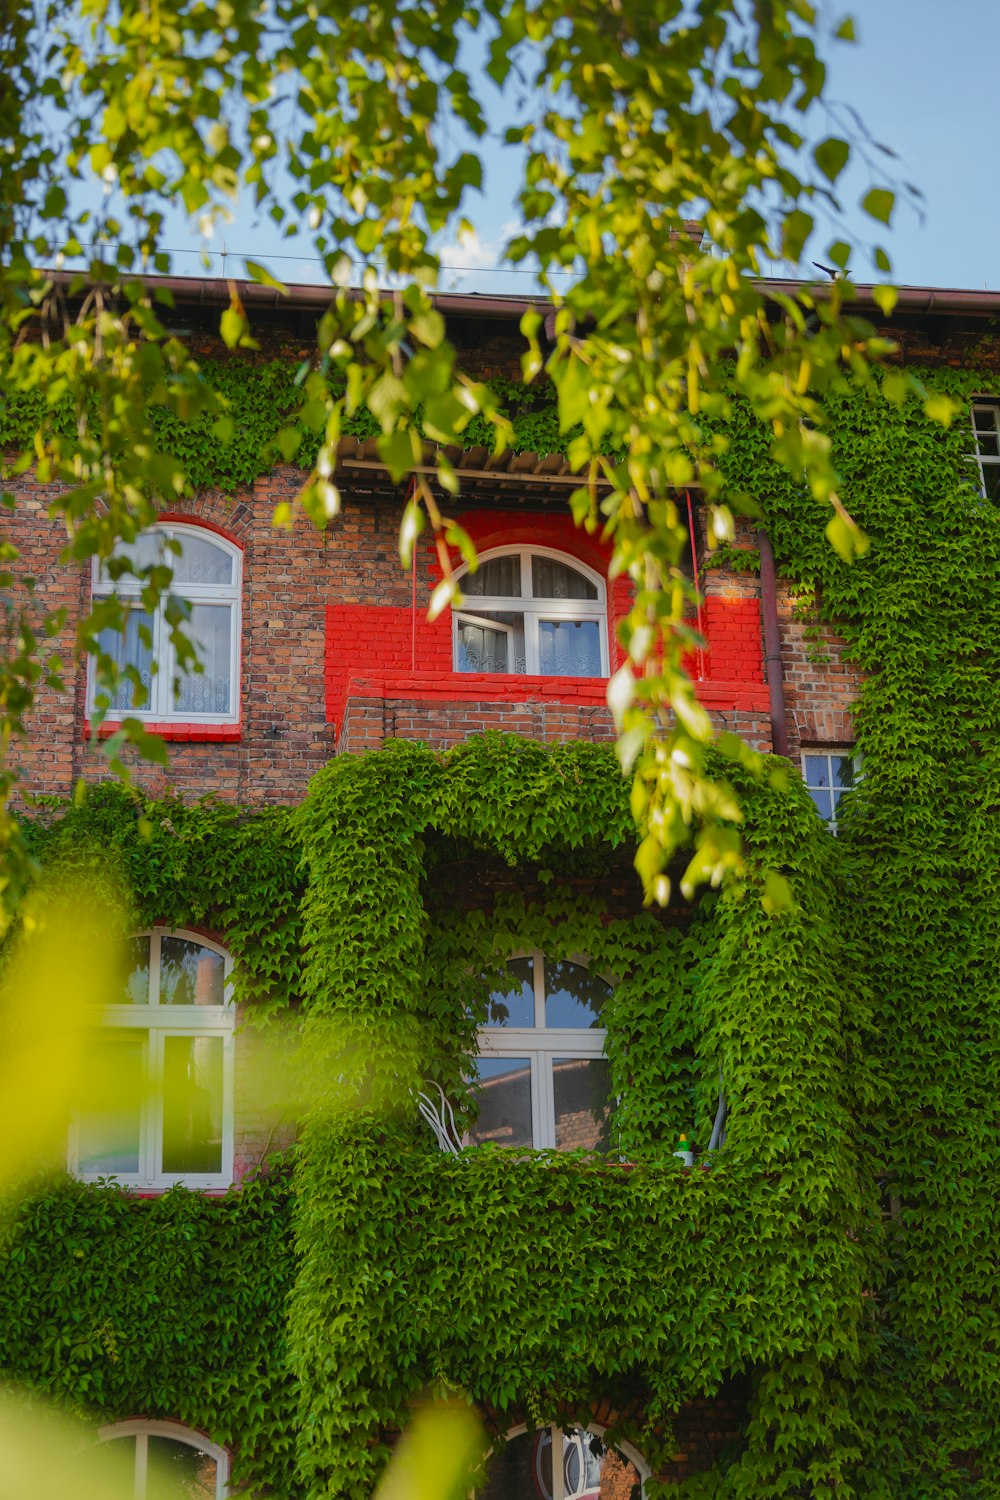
773	669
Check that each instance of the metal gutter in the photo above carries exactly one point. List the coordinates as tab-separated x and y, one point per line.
215	290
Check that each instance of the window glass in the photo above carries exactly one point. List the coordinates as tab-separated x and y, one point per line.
574	996
135	967
176	1470
159	1107
581	1088
556	625
206	573
986	427
504	1101
543	1077
495	578
569	648
514	1003
208	691
190	973
827	775
201	560
159	1461
110	1133
134	649
192	1104
523	1468
482	648
551	579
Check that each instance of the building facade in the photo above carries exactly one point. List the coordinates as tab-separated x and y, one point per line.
415	861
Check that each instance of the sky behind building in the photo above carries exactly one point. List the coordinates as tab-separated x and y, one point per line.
922	78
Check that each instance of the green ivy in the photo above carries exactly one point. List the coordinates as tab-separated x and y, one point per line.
260	401
839	1255
172	1308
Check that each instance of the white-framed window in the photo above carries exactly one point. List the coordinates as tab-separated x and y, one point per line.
543	1078
986	429
164	1055
207	573
164	1458
828	774
529	610
588	1469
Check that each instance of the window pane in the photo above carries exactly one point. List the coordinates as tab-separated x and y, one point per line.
208	692
190	974
522	1469
512	1470
514	1003
497	578
135	972
201	560
581	1088
824	802
109	1132
574	996
142	553
192	1104
481	649
843	770
177	1470
504	1101
129	650
569	648
817	770
991	481
554	580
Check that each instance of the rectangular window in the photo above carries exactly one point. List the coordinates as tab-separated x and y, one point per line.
159	1106
986	427
828	774
544	1081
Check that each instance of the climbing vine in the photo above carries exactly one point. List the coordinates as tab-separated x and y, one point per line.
258	431
835	1264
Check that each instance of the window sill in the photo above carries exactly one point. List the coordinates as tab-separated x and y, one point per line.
173	729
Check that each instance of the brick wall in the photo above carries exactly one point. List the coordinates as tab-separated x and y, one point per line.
821	685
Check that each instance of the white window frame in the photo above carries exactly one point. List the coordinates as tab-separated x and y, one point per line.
534	611
143	1430
626	1449
161	1021
825	752
541	1045
162	706
984	461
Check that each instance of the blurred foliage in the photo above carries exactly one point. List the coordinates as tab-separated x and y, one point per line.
632	121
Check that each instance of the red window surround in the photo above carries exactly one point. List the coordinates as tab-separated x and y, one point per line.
391	651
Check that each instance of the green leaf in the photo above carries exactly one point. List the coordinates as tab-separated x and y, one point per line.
878	204
832	156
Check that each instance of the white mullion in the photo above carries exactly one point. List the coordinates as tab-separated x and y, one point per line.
228	1104
538	979
558	1479
154	968
527	592
152	1157
539	1120
141	1465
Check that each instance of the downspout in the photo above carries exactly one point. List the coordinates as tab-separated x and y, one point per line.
772	646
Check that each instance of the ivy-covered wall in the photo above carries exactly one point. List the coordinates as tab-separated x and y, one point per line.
840	1254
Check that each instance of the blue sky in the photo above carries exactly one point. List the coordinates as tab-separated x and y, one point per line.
923	77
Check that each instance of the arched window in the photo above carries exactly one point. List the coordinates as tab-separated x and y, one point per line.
164	1458
207	572
585	1467
531	611
543	1077
165	1057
